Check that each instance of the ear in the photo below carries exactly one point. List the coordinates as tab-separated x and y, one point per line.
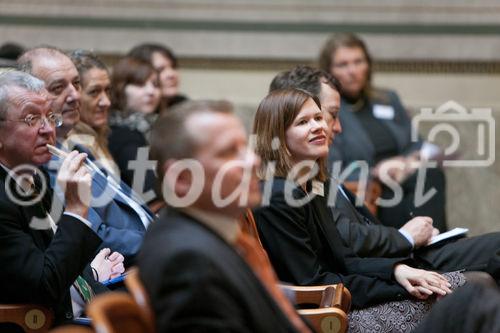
176	180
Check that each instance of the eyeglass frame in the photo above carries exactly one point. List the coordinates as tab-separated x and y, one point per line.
56	122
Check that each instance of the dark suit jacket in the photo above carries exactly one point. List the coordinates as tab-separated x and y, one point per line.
364	234
354	144
306	249
37	266
118	224
198	283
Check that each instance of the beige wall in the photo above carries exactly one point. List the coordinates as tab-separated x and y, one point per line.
473	193
270	33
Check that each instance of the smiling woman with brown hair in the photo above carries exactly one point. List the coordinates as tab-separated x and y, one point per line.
298	230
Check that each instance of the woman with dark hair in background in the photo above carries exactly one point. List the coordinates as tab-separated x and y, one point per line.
92	131
296	229
377	130
165	63
135	98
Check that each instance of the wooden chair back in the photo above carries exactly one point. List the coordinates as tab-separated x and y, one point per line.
139	294
372	192
31	318
117	312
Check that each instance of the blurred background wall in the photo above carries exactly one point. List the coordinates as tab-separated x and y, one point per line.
429	51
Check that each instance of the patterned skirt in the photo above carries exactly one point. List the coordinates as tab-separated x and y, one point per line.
397	316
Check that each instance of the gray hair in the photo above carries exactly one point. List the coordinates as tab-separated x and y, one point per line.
13	78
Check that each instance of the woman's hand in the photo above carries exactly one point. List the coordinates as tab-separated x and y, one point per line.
107	265
421	283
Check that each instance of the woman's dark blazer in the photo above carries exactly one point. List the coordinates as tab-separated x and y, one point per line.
354	144
305	248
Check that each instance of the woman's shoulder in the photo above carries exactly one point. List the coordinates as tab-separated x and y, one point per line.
120	133
279	188
384	96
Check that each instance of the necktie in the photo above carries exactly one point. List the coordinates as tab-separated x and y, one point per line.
257	259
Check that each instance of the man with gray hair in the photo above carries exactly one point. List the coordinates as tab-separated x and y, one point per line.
41	259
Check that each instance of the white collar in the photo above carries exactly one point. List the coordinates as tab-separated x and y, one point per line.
24	182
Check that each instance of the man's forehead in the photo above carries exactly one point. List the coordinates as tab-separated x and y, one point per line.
21	97
53	67
329	95
213	127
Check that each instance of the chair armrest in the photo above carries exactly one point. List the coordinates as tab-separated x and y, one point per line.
326	320
31	317
335	295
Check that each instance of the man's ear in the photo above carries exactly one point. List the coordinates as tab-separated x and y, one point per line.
176	178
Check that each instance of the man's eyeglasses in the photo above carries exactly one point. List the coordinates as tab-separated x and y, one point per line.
54	119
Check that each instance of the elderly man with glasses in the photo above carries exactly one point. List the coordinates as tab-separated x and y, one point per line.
45	255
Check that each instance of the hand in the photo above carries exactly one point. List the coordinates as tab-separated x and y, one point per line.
421	283
396	168
108	265
421	230
75	181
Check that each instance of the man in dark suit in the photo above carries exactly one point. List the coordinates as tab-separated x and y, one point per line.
116	213
194	262
42	261
360	230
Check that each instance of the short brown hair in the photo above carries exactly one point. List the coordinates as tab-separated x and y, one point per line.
274	116
128	71
169	136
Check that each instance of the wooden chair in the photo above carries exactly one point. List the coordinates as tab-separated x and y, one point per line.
138	292
117	312
31	318
331	302
372	192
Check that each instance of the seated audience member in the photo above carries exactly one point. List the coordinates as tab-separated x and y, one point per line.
45	258
472	308
116	214
92	130
135	97
295	225
359	229
196	263
165	63
377	130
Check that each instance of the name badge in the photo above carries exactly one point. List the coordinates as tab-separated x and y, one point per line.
383	111
318	188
